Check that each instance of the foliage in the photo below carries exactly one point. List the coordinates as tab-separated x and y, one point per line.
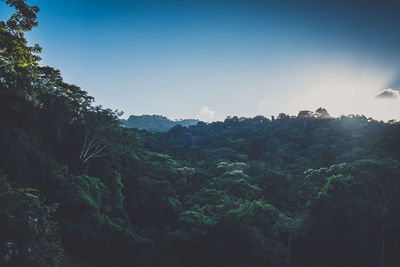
28	233
308	190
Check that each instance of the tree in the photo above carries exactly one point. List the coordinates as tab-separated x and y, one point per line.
28	233
24	19
99	127
305	114
356	201
18	61
322	113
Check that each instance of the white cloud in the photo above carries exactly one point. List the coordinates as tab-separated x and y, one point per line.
206	113
388	94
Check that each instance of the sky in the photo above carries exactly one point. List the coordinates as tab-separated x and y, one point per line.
212	59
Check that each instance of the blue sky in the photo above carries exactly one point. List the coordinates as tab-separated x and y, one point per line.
212	59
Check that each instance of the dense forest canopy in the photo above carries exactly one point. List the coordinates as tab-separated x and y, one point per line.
78	189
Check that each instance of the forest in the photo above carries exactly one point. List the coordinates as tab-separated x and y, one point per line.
79	188
155	123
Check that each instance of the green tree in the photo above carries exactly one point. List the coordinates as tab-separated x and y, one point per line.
356	202
28	233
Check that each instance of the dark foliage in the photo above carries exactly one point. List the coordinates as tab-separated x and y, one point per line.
79	189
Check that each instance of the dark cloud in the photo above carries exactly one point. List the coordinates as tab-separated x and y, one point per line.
388	94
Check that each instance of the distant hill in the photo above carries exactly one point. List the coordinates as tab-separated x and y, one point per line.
156	123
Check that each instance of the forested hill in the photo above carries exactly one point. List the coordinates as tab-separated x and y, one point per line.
155	123
78	189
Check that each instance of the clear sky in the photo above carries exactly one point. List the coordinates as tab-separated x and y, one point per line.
212	59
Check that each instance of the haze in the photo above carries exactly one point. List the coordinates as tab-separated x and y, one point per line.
212	59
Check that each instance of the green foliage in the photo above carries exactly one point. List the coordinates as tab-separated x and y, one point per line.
354	202
28	233
309	190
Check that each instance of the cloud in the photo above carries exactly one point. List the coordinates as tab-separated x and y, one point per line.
388	94
206	113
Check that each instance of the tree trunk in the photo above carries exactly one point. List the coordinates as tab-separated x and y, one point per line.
289	249
383	247
384	211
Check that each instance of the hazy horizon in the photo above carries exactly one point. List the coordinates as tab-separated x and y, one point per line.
212	59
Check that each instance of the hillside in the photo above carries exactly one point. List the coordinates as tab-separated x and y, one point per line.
155	123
